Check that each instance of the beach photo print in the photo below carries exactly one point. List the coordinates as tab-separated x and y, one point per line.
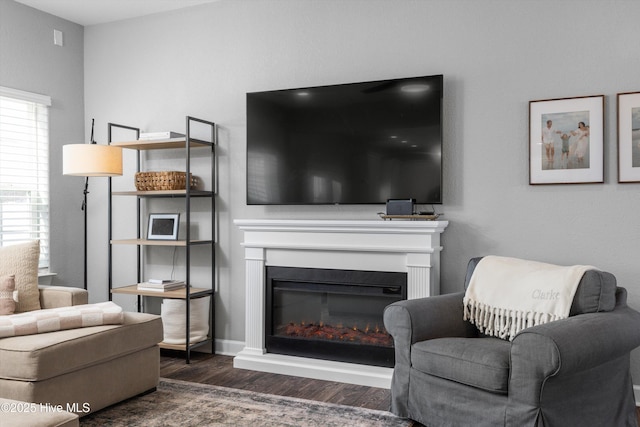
566	140
629	137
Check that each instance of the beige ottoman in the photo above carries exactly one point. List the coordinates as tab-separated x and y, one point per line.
14	413
84	369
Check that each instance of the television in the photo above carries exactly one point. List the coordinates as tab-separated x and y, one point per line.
357	143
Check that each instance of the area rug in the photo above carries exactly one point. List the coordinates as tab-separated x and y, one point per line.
181	403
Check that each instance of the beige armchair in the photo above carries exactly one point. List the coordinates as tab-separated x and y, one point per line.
62	296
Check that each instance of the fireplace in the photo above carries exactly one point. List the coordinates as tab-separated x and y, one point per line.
409	247
331	314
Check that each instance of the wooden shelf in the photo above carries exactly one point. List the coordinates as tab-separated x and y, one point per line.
164	193
161	144
146	242
174	294
183	152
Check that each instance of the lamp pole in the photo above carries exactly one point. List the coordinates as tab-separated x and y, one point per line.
84	208
89	160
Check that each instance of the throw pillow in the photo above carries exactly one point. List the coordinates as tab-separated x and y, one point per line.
7	294
22	260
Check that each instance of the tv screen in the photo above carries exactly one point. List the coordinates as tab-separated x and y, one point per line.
358	143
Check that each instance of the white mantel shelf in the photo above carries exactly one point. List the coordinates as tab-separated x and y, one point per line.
412	247
333	224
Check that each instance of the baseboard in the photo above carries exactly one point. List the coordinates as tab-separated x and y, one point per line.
327	370
229	347
636	394
371	376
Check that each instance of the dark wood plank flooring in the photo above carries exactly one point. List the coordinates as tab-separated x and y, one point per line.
218	370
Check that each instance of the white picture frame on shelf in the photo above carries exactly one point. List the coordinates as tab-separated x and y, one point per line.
163	226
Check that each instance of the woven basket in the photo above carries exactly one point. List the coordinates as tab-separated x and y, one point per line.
170	180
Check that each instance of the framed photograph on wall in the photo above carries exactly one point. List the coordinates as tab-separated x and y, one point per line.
629	137
163	226
566	140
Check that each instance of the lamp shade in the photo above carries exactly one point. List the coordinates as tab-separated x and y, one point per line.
91	160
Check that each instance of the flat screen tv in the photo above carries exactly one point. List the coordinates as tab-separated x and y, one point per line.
358	143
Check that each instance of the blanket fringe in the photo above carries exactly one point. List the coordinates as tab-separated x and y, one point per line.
500	322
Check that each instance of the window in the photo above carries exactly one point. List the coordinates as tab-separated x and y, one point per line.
24	169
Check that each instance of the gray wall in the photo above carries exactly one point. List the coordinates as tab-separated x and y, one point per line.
496	56
30	61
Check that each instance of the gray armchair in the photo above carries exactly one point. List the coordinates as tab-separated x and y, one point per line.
571	372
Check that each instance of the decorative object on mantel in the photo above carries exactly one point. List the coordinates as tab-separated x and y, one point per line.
400	206
90	160
629	137
415	217
566	140
221	406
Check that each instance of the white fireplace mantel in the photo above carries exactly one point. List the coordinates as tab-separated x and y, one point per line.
402	246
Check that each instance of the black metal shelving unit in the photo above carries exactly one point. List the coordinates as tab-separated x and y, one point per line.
189	292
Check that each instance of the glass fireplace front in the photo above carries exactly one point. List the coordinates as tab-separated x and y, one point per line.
331	314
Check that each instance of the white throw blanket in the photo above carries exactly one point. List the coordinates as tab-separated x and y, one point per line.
61	318
507	295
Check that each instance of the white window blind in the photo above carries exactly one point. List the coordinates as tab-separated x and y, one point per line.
24	169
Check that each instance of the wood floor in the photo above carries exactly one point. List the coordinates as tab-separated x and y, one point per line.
219	370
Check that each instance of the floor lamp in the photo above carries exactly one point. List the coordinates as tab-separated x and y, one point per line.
90	160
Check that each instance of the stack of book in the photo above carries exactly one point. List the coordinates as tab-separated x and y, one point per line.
150	136
160	285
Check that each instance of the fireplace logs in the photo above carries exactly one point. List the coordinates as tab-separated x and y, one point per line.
372	336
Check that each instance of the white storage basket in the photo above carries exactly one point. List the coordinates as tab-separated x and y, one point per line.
173	312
